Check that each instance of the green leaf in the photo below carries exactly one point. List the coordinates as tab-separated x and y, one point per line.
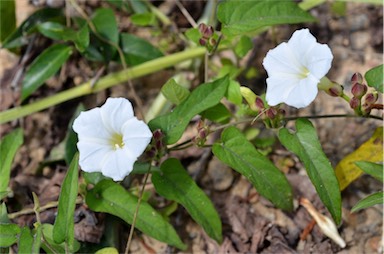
243	46
107	250
106	26
373	169
218	114
174	183
26	241
105	23
237	152
234	93
193	34
82	38
174	92
374	78
239	17
18	37
203	97
4	214
8	234
138	6
110	197
48	231
121	4
137	50
71	137
7	18
56	31
43	67
371	200
64	228
305	144
143	19
9	144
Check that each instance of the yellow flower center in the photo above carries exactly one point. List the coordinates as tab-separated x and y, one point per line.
117	141
304	73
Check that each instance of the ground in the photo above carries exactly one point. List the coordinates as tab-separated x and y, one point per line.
250	223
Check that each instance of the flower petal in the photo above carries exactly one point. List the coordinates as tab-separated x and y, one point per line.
92	155
90	124
115	112
304	93
320	60
281	60
118	164
279	88
136	136
301	43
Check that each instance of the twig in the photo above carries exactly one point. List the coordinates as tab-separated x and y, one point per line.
186	14
41	209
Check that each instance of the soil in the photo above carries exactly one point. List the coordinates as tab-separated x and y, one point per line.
250	223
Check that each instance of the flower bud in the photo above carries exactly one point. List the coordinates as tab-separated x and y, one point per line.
259	103
358	90
212	42
281	112
357	78
159	145
205	31
158	135
370	98
271	113
336	90
151	153
355	103
202	42
366	109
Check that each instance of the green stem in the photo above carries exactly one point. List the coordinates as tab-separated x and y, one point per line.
102	84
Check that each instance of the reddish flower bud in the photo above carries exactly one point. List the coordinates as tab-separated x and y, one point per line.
336	90
203	133
370	98
259	103
202	41
159	145
355	103
206	31
358	90
158	134
357	78
151	153
271	113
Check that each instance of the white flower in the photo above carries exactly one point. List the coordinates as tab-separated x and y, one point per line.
111	138
295	68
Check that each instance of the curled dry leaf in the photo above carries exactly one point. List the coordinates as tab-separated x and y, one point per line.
326	225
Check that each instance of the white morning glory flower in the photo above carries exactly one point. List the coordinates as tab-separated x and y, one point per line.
295	68
111	138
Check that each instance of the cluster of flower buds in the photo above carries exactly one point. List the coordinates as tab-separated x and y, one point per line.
157	148
361	102
207	37
202	133
272	116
